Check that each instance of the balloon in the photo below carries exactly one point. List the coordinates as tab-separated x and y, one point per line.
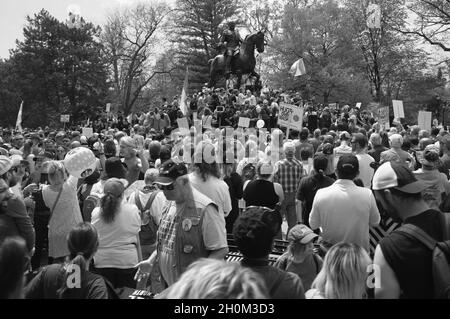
260	124
80	162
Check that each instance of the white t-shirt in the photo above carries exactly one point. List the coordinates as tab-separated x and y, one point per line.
365	171
215	189
117	240
157	206
344	211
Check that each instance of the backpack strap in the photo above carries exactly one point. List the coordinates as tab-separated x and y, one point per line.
418	234
137	201
150	200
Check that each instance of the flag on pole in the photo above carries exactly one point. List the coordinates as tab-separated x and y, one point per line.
373	16
298	68
19	119
183	102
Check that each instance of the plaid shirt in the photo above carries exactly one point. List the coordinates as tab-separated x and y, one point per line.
288	173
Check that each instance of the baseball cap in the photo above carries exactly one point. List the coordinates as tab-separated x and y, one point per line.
398	176
348	164
114	187
5	164
430	155
170	171
301	233
16	159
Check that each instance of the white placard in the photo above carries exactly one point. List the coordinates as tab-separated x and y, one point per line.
383	117
425	120
65	118
290	116
108	107
398	109
183	125
87	131
244	122
358	105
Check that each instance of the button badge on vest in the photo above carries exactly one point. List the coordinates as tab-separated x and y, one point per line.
188	249
186	224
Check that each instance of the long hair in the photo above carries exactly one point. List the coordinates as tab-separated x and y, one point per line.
109	206
13	258
344	272
217	279
56	169
208	166
82	242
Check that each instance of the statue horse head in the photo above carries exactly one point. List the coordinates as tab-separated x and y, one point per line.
255	40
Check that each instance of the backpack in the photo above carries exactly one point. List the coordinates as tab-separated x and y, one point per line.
89	204
149	228
440	256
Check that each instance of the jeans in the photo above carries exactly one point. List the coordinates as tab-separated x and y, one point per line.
288	210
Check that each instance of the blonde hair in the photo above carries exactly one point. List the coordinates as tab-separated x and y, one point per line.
56	169
217	279
344	272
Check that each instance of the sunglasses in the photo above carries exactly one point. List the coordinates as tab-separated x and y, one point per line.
169	187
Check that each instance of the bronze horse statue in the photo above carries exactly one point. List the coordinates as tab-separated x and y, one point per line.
242	63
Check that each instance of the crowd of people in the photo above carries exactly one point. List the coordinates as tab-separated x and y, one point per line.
161	206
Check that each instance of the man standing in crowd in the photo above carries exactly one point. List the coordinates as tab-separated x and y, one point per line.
359	146
345	211
344	148
377	147
191	227
396	141
303	145
404	263
288	173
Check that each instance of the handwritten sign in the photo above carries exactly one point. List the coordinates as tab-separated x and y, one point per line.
290	116
398	109
244	122
425	120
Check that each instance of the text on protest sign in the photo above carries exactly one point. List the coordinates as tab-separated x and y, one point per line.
290	116
244	122
383	117
65	118
88	132
425	120
398	109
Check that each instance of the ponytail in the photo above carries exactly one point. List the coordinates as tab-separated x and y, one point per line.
109	205
68	269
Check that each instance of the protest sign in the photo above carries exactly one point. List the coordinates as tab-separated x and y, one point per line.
383	117
358	105
87	131
244	122
398	109
108	107
290	116
65	118
425	120
183	125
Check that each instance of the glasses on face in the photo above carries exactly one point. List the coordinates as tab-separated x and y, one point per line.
169	187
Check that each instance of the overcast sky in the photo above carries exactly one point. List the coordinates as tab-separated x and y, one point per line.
14	12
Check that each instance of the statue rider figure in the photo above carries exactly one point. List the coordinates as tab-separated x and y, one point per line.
232	40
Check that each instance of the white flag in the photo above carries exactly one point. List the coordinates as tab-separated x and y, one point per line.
298	68
183	102
373	16
19	119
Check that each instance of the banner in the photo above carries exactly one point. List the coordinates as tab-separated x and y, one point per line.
398	109
183	102
383	117
425	120
298	68
373	16
244	122
290	116
19	119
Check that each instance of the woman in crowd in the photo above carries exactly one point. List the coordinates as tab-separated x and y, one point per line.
118	224
262	191
61	198
217	279
235	188
207	119
14	260
58	282
343	275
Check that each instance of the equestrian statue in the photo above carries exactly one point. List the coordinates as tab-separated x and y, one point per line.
239	56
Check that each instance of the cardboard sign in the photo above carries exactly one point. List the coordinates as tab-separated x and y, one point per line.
244	122
108	107
398	109
383	117
65	118
425	120
87	131
358	105
332	106
290	116
183	126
